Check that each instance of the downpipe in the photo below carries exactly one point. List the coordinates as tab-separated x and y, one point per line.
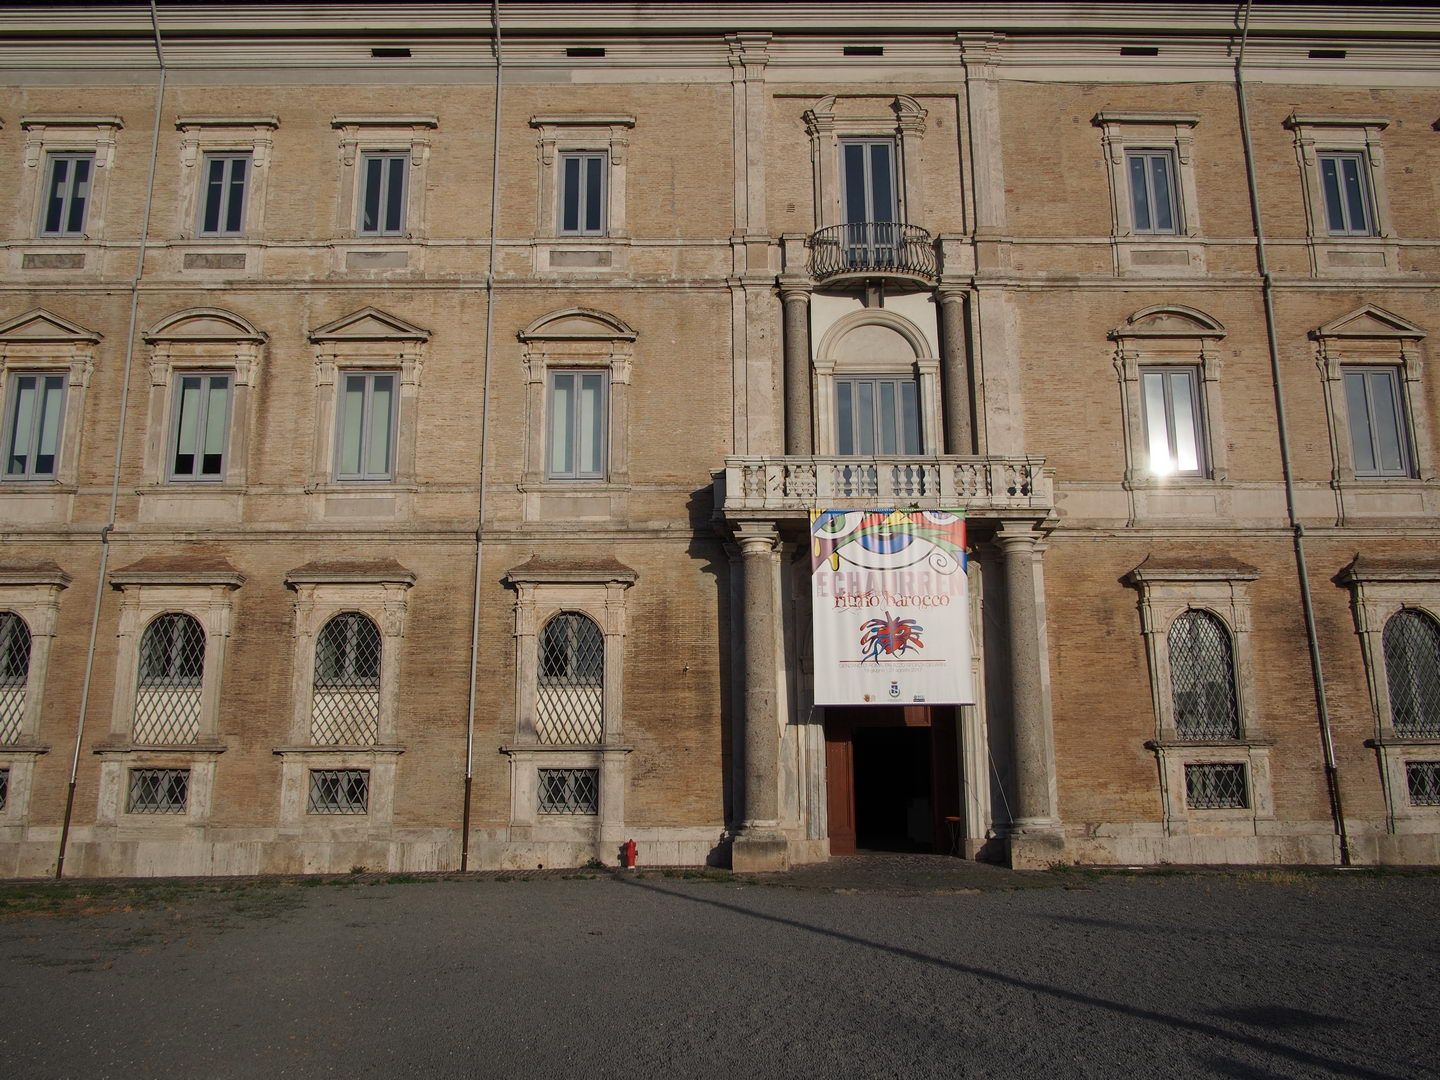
109	526
1297	530
484	442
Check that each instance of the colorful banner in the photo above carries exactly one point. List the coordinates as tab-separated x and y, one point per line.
891	611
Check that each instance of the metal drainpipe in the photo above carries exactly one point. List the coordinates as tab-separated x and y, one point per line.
109	525
484	439
1297	530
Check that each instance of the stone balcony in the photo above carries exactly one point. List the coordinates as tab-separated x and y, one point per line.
790	487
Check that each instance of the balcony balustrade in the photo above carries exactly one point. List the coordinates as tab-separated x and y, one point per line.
787	486
873	250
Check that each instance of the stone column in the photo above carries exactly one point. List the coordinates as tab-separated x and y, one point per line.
760	845
798	439
1035	838
955	372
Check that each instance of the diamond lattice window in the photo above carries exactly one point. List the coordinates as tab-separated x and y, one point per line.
569	791
339	791
4	789
1202	678
14	671
167	694
570	706
346	706
1412	668
1423	780
1216	786
158	791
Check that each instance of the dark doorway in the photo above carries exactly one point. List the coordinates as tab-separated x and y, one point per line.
894	806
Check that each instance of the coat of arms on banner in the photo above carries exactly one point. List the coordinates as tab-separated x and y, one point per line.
890	607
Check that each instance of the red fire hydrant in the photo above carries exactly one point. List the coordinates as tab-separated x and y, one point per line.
627	854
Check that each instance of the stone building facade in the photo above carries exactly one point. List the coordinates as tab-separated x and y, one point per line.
410	430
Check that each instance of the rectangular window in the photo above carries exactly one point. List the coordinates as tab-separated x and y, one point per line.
1216	786
877	416
1422	778
4	789
382	194
1153	208
365	426
200	428
582	193
1377	421
34	413
158	791
339	791
577	425
1173	431
1348	209
868	181
67	194
222	203
569	791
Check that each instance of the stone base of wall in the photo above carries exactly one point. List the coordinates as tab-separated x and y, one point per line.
1301	843
239	852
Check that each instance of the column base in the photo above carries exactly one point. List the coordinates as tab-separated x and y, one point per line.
1035	848
759	852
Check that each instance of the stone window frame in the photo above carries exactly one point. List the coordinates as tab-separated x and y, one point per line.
203	589
33	593
1337	254
380	590
1219	587
1380	587
40	341
371	133
193	341
1144	253
204	135
561	133
1171	336
545	588
924	366
368	340
49	133
1370	336
577	339
827	125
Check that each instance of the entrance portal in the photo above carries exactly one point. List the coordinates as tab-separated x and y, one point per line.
893	801
892	777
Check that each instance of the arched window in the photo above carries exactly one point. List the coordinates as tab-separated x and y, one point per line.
167	695
14	673
1202	678
1412	670
346	707
570	705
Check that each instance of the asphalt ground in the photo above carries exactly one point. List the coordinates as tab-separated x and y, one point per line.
859	968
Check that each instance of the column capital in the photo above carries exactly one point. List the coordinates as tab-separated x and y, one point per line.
1013	534
793	290
756	537
952	294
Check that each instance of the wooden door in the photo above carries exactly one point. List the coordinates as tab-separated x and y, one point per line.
840	785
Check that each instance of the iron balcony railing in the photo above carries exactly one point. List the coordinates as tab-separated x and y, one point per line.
798	484
872	249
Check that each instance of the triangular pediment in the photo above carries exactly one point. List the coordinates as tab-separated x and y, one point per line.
1371	322
577	324
369	324
204	324
1169	321
40	326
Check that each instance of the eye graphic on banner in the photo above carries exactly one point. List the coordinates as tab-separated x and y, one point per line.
890	610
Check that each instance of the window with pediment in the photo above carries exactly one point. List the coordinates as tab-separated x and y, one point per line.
45	366
1372	365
